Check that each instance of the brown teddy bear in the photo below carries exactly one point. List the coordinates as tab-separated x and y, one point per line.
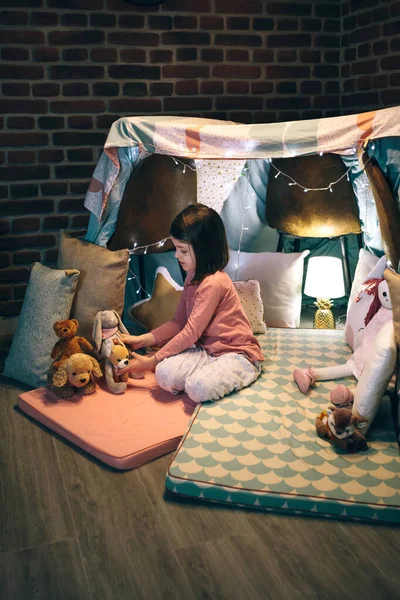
69	343
75	375
340	427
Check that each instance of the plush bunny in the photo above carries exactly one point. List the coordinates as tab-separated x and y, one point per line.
107	331
379	313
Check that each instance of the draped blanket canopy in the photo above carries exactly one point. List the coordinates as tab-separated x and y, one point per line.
200	138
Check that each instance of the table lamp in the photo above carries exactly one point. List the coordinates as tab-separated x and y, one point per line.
324	280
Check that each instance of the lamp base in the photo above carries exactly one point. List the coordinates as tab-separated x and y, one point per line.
324	319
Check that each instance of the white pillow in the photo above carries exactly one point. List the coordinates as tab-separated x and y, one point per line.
250	297
357	311
376	375
281	278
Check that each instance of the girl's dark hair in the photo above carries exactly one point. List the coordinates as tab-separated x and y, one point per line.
202	227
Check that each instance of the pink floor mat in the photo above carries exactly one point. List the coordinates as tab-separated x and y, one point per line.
124	431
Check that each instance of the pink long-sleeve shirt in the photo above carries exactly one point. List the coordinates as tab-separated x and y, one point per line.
209	315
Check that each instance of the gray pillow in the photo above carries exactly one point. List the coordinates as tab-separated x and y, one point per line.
48	299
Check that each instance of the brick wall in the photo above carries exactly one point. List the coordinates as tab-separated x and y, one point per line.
370	55
70	68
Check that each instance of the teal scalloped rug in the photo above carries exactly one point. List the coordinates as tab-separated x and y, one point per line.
259	448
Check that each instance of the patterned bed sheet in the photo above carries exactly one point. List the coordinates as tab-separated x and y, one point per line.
258	447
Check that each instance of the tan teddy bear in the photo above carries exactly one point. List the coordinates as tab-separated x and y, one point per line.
75	375
69	343
119	358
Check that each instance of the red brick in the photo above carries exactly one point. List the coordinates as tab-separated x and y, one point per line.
237	55
78	187
16	36
260	24
27	241
51	156
185	38
380	81
5	293
86	139
56	222
161	89
310	56
23	106
238	23
284	8
74	54
104	55
20	122
187	104
13	17
237	87
380	47
123	38
131	21
15	54
362	67
276	72
73	172
20	173
235	102
73	20
77	106
137	105
185	72
133	72
212	87
287	56
212	55
389	63
327	41
211	23
51	122
155	22
325	71
263	56
76	38
238	40
105	122
25	157
296	40
80	220
44	19
16	89
80	122
109	88
185	22
103	20
286	87
78	88
280	103
287	25
20	291
80	155
71	205
21	72
364	83
24	139
26	190
238	6
262	87
10	309
45	89
46	54
391	28
26	224
185	6
186	54
4	228
237	72
53	188
390	97
187	88
11	275
310	25
76	4
137	56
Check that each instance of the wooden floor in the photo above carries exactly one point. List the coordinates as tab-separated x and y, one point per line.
72	528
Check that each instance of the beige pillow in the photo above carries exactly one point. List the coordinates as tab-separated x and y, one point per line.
393	281
250	297
102	279
161	307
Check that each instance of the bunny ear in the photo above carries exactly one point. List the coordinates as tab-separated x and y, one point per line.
60	377
121	326
96	333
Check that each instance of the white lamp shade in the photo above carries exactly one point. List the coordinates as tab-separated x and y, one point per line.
324	277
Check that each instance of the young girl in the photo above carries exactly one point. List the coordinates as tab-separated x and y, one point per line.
208	349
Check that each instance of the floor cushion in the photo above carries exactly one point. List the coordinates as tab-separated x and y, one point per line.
124	431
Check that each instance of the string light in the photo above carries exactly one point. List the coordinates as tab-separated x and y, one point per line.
140	288
145	247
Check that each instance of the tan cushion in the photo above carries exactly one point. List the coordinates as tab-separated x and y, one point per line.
393	281
102	280
161	307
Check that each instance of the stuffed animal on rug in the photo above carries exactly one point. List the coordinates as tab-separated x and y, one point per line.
75	375
340	427
69	343
119	358
379	313
107	331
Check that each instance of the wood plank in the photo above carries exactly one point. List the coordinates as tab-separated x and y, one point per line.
189	522
34	505
53	571
125	549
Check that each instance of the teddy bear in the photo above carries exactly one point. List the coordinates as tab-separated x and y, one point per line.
69	343
119	358
340	427
75	375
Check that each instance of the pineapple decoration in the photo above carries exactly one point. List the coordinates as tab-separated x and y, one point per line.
324	318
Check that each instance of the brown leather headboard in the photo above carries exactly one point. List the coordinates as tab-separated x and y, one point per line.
386	208
156	192
311	214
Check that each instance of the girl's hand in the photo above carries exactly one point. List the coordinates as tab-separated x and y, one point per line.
139	364
132	340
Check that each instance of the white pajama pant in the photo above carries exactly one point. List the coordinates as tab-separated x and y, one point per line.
204	377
